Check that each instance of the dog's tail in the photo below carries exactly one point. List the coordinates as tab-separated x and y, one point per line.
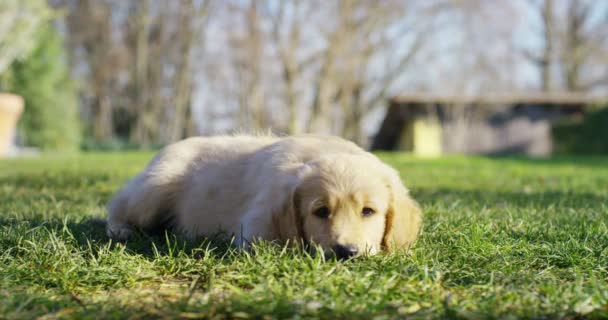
147	200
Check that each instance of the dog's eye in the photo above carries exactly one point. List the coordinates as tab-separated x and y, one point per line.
367	211
322	212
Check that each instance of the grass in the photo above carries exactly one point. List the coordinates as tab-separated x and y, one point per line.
503	238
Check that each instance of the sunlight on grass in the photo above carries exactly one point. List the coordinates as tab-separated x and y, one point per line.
502	237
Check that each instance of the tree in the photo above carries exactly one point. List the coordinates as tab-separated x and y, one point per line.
575	44
316	66
50	120
137	61
584	41
94	49
19	22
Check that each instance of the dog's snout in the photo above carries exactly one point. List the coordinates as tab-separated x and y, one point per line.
345	251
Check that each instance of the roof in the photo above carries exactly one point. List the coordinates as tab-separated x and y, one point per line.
556	98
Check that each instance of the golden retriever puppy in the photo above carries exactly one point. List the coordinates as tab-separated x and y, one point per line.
316	189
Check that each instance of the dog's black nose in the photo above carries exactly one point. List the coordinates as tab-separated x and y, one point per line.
345	251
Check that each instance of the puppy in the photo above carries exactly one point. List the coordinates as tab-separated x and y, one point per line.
317	189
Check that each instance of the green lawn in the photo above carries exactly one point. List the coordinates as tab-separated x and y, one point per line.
502	238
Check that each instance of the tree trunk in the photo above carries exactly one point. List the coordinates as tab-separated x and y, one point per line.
545	63
140	133
102	118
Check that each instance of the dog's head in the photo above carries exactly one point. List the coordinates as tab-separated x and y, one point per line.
352	205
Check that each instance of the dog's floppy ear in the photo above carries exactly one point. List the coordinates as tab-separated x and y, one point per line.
287	218
404	217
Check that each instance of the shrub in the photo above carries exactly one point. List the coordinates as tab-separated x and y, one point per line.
589	136
50	119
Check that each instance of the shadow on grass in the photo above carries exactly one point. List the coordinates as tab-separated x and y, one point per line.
90	232
151	243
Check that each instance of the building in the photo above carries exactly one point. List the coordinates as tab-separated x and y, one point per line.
431	125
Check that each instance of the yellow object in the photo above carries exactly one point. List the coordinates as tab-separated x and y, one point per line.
427	137
11	107
422	137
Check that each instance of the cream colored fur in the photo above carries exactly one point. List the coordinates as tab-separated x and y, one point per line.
265	187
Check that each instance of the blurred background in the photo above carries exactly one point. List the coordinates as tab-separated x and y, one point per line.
426	76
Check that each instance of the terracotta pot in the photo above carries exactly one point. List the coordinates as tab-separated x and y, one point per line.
11	107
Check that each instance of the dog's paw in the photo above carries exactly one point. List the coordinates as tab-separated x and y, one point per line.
119	232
